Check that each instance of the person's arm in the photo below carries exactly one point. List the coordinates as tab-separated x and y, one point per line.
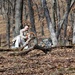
21	34
14	39
28	34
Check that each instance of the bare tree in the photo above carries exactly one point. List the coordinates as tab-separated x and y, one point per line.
73	29
6	15
25	10
64	17
31	13
58	11
66	22
40	16
49	23
54	13
18	16
8	25
13	16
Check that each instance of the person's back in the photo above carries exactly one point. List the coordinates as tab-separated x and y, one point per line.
18	41
22	38
15	41
23	34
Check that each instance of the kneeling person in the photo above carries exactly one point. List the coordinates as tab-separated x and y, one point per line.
22	38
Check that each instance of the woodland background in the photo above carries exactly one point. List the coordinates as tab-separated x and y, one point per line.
48	19
54	19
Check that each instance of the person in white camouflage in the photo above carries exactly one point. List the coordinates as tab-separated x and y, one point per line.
22	38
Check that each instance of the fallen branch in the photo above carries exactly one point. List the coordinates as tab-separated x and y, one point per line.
3	70
8	49
35	47
26	43
21	52
45	50
30	49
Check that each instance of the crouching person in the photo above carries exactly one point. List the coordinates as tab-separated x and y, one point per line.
20	40
16	42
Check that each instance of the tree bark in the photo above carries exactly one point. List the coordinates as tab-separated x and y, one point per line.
53	14
45	50
49	23
74	30
63	19
25	12
66	22
31	13
18	16
58	10
8	25
42	28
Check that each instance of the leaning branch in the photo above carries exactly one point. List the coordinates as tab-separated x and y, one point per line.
63	19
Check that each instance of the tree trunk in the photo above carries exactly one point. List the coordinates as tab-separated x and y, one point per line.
13	18
40	17
25	12
18	16
58	10
42	28
8	26
66	22
63	19
49	23
31	13
74	30
53	14
8	31
37	6
58	17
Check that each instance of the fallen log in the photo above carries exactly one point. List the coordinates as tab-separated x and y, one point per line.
24	52
3	70
8	49
25	43
35	47
45	50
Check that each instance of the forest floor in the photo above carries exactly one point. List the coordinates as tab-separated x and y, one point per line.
58	61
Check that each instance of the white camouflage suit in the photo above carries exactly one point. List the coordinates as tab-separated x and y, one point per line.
21	39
